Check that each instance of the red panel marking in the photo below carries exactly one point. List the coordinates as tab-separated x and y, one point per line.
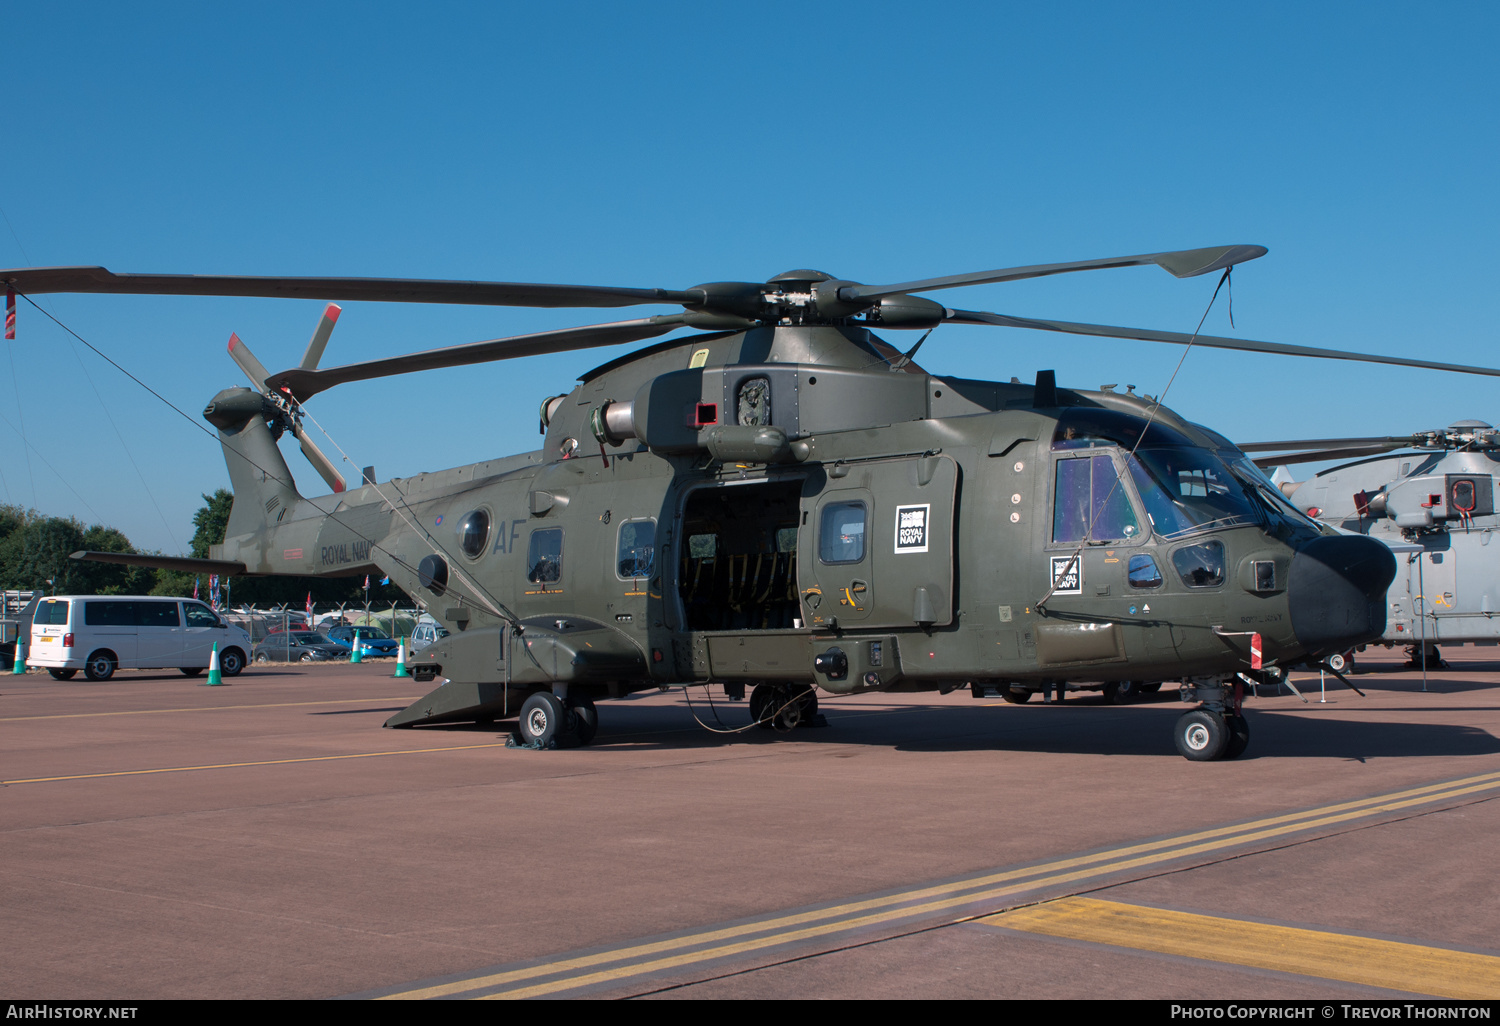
292	554
1255	652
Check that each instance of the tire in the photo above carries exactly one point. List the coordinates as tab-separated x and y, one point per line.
585	721
1201	735
1119	692
191	671
807	703
58	674
1338	662
306	658
1239	735
544	721
1015	697
761	699
231	662
262	658
1151	688
100	665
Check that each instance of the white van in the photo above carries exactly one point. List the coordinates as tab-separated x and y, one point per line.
101	633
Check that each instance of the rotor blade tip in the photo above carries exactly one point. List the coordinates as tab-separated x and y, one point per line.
234	340
333	311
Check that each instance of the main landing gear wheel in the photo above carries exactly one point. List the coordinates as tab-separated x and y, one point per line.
585	720
1202	736
58	674
1341	662
544	721
1016	697
1119	692
1239	735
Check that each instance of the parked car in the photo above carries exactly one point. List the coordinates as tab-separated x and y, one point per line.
99	634
298	647
376	641
425	633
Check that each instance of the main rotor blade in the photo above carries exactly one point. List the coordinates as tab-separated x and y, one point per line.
1212	341
1183	263
1321	455
303	383
38	280
1326	443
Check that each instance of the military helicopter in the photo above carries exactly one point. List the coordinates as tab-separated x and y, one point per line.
1435	504
786	501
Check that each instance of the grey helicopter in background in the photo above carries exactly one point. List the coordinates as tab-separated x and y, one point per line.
786	501
1431	497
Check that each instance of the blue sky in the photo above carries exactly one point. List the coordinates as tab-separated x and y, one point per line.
657	144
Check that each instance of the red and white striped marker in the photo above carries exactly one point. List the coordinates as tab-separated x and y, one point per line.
10	313
1255	652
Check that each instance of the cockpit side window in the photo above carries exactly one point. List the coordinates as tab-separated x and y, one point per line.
1090	502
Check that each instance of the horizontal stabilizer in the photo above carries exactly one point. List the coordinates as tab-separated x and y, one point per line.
186	564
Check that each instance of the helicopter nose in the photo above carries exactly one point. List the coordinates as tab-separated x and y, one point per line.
1336	592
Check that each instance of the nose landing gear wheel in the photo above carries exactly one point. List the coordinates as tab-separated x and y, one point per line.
783	708
1202	736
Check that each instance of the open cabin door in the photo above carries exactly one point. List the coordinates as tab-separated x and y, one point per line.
875	549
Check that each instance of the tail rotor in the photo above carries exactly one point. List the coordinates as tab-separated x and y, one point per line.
289	410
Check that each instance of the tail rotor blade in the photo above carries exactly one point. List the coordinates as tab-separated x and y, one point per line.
320	337
321	463
252	367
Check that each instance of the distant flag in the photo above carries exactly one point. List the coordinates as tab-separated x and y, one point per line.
309	607
367	582
10	313
213	590
195	587
384	581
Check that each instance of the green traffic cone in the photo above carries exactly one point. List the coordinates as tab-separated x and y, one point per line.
20	666
354	647
215	679
401	661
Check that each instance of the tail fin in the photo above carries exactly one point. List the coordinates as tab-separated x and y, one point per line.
262	483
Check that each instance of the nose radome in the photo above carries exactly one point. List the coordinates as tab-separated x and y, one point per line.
1336	592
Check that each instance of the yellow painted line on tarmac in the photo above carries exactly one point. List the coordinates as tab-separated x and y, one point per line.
241	765
713	943
1414	968
212	708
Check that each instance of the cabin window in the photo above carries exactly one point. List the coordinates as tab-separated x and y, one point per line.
636	553
544	558
473	532
842	538
1090	503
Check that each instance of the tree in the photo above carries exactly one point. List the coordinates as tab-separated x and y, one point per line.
211	521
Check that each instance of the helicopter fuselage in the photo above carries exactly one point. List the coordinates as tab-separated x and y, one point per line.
793	505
